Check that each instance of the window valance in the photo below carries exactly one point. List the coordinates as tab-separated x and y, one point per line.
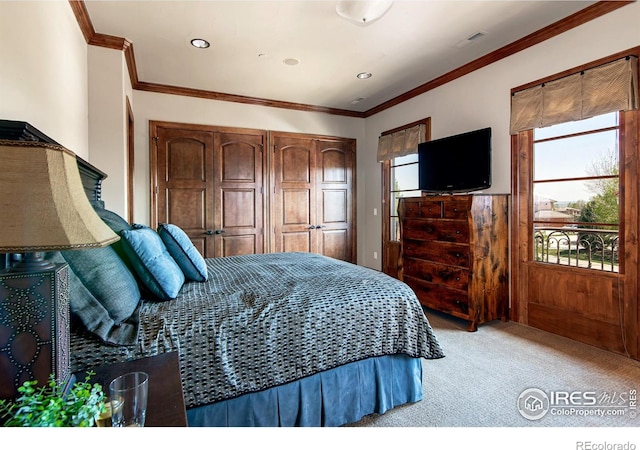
603	89
401	143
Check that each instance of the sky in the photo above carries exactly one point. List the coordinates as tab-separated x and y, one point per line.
572	157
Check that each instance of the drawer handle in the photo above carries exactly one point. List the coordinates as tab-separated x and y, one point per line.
457	231
457	278
458	255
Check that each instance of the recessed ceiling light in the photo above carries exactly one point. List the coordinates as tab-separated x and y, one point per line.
200	43
291	61
363	75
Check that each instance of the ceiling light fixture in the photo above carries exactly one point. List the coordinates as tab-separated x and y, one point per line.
363	12
200	43
363	75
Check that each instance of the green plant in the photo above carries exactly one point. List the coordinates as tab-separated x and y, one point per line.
51	406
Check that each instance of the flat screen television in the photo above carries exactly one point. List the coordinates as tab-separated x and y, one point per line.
455	164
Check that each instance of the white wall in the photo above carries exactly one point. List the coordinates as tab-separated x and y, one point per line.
43	71
482	99
109	86
171	108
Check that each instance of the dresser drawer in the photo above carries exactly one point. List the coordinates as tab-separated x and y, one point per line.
431	209
435	251
410	208
449	276
436	230
450	301
454	208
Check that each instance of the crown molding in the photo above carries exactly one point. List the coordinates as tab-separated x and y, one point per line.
212	95
102	40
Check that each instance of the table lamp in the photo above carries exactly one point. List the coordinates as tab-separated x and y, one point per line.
43	207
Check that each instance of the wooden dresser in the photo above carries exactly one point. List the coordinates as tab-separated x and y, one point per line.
455	254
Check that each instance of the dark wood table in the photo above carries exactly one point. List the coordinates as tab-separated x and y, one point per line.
165	404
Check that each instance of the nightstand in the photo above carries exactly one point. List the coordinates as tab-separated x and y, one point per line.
165	406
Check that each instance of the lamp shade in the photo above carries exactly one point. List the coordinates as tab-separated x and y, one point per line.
43	205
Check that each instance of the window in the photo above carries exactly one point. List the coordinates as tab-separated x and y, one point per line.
403	183
576	193
399	179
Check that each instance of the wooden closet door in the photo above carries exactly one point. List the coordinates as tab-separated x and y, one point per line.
313	195
294	195
334	189
184	184
209	182
238	163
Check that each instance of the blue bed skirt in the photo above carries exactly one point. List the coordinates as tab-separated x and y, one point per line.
332	398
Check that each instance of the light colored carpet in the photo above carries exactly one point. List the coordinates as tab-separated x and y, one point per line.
478	382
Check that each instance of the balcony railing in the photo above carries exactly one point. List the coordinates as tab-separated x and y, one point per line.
578	247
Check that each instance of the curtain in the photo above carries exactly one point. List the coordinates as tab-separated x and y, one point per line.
401	143
603	89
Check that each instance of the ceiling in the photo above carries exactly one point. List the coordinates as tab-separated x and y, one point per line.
412	44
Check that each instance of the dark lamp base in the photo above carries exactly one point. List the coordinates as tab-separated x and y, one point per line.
34	327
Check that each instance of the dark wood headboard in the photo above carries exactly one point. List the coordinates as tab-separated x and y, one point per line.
22	131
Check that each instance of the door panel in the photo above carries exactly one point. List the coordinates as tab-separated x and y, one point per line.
239	245
185	183
294	201
239	162
335	244
334	206
335	162
575	304
297	242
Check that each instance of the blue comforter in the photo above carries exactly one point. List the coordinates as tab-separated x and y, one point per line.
266	320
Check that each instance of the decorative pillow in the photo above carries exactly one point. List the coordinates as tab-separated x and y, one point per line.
103	294
183	251
113	220
152	262
117	224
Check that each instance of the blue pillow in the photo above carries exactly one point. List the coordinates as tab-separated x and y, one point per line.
103	293
117	224
183	251
152	262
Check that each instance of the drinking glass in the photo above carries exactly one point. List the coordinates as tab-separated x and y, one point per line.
128	394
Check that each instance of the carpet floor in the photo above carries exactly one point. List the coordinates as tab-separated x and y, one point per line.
479	381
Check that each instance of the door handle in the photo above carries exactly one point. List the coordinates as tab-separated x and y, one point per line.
320	226
219	231
209	232
312	227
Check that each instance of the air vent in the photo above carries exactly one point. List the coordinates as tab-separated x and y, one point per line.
469	39
475	36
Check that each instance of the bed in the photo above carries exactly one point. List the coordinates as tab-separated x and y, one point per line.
283	339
